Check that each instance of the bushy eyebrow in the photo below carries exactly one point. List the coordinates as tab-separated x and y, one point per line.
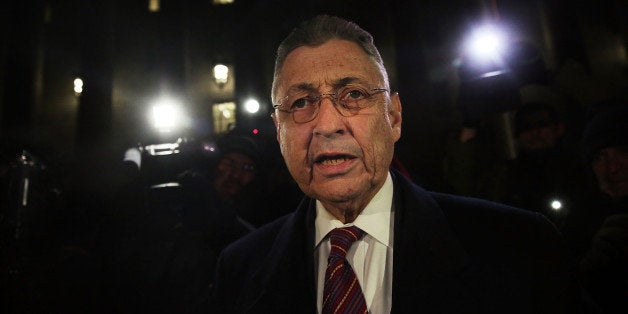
346	81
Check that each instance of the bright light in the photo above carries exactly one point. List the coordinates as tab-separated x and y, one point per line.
162	149
223	116
209	147
167	115
486	43
221	73
251	106
133	155
153	5
78	86
493	73
556	204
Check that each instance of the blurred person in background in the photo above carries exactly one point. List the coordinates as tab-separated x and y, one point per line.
598	235
166	258
547	174
544	173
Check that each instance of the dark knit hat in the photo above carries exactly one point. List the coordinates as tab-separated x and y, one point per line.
240	144
607	126
531	115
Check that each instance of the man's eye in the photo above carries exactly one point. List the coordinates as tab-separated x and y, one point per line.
299	103
597	158
354	94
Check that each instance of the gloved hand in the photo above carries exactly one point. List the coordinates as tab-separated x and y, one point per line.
609	247
611	239
604	268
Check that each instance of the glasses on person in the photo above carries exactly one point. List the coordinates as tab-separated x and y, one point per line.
232	165
348	101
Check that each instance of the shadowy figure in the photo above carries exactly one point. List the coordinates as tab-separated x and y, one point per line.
44	266
598	234
165	261
546	175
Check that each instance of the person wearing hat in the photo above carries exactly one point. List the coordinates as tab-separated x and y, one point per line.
212	201
177	262
236	168
544	171
603	266
605	142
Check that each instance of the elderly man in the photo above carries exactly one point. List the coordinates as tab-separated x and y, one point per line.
366	239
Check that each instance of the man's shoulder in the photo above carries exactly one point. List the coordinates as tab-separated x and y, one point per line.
476	221
243	264
258	242
486	224
472	210
462	205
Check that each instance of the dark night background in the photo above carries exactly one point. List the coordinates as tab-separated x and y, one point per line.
127	55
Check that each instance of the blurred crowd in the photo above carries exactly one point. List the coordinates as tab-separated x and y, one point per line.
144	242
577	178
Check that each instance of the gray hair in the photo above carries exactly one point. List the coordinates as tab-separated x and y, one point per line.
320	30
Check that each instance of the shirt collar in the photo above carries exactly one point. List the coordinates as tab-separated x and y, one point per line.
374	220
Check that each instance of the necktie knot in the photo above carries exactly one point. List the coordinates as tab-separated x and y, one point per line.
341	240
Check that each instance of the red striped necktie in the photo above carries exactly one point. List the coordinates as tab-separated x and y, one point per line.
342	292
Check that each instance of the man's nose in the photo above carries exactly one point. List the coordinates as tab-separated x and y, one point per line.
613	163
234	171
329	120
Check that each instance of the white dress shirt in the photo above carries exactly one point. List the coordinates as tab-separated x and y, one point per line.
371	257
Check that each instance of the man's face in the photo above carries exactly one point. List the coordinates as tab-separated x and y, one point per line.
341	161
610	166
540	133
233	172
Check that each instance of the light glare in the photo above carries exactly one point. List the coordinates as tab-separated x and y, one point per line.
167	115
486	43
153	5
556	205
78	85
251	106
221	73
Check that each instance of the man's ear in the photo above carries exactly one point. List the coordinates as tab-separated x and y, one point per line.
395	115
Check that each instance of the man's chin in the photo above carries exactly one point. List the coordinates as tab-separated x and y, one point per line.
228	193
617	193
336	192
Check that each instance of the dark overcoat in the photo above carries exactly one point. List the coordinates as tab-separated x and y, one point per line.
451	255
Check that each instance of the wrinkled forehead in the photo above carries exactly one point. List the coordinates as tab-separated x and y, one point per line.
327	65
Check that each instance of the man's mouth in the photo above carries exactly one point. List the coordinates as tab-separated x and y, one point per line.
332	160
